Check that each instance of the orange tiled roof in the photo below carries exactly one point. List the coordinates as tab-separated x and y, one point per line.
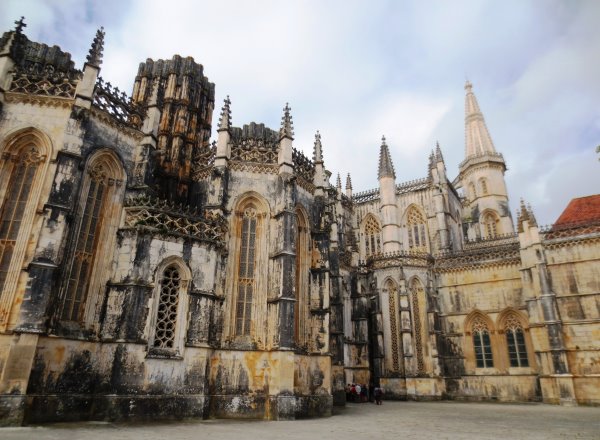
581	210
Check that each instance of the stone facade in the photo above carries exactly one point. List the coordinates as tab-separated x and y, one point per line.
146	273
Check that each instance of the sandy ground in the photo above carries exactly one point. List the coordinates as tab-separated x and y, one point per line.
394	420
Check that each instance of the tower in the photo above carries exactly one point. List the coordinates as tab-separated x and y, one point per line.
387	193
481	175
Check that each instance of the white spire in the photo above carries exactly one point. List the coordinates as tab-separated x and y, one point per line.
477	136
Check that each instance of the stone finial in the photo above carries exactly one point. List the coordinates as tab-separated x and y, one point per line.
20	25
348	182
225	119
338	182
287	129
94	57
318	149
386	167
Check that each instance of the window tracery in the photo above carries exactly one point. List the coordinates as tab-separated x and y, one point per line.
417	291
246	272
415	223
25	166
168	303
515	342
302	264
91	238
372	236
490	225
482	343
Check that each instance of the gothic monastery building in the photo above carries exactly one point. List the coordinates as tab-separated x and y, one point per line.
148	273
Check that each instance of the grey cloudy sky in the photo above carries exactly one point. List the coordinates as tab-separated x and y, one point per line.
356	70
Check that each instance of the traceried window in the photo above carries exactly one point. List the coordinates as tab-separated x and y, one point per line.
87	235
515	342
246	272
26	164
168	303
415	223
92	239
490	225
372	236
302	267
482	344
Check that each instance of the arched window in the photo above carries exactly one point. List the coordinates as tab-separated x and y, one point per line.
372	236
170	308
23	164
302	268
482	343
390	286
417	231
472	193
417	293
515	342
246	272
483	186
490	225
92	236
168	303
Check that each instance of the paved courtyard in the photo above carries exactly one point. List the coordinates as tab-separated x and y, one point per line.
392	420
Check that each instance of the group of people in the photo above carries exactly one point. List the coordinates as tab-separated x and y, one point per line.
358	393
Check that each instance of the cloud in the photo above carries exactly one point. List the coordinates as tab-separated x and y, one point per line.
357	70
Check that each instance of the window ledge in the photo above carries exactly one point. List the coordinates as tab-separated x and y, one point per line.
163	353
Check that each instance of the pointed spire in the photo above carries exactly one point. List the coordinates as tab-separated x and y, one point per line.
438	152
94	57
525	214
318	149
287	129
386	167
338	182
348	182
20	25
225	120
477	137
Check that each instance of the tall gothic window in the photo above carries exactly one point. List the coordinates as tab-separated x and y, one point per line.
515	342
90	239
302	265
417	231
490	225
246	272
482	344
25	166
372	236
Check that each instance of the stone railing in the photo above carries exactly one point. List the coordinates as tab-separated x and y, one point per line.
160	216
496	240
45	81
569	230
117	104
303	166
